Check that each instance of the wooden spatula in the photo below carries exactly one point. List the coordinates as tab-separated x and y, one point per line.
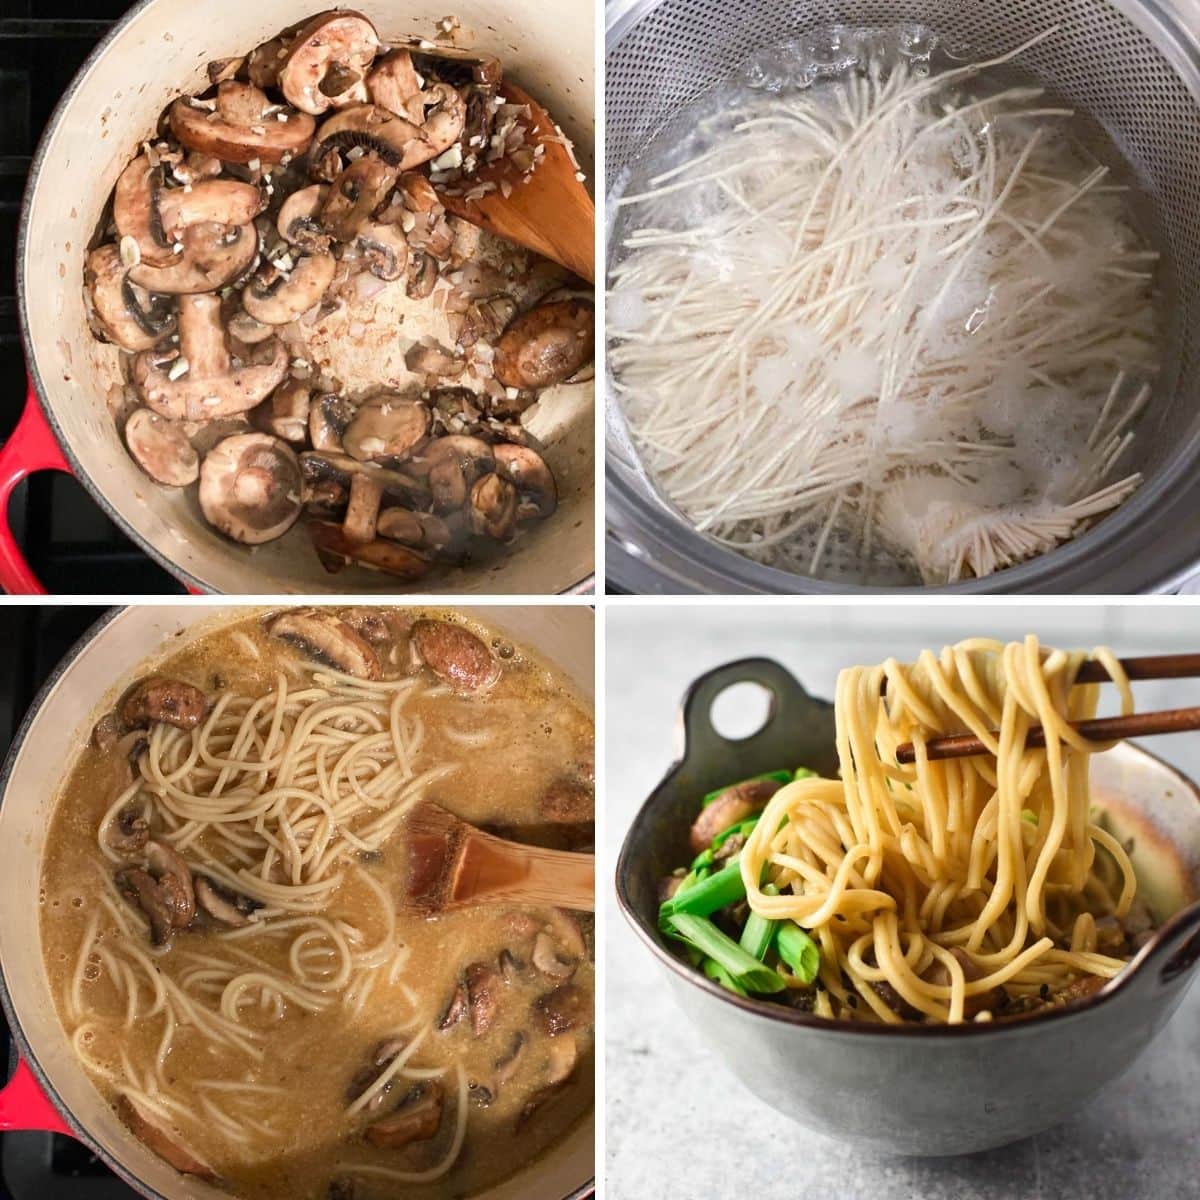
452	864
549	213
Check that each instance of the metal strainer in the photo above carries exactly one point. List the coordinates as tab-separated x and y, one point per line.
1130	66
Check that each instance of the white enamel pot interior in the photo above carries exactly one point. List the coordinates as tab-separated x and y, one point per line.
117	651
156	52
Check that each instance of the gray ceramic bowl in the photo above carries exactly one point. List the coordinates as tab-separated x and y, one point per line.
920	1090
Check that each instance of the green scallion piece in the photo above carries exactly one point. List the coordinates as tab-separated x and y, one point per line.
741	827
778	776
798	950
747	972
803	773
759	932
703	859
1027	814
719	889
715	971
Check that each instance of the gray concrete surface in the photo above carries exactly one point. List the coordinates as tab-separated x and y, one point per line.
679	1126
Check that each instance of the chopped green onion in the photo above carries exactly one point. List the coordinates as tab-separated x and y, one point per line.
803	773
798	950
759	932
703	859
718	890
714	970
744	970
1027	814
741	827
778	776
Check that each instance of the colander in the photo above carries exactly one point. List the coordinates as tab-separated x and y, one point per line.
1132	69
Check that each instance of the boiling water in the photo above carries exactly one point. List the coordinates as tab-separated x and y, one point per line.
865	393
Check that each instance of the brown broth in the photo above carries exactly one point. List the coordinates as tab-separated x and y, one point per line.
544	733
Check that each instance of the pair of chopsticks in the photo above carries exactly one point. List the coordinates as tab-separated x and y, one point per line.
1101	729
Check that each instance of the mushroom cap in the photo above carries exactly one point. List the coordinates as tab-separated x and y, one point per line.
210	133
156	698
213	255
297	221
322	635
493	507
161	448
454	463
328	419
454	654
285	413
283	300
215	201
250	488
527	470
336	551
136	215
114	304
341	41
386	427
546	345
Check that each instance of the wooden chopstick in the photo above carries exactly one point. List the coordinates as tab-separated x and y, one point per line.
1101	729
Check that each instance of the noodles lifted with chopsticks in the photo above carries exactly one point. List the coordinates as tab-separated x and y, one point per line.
928	887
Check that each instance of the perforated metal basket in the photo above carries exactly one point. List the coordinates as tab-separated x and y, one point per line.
1130	66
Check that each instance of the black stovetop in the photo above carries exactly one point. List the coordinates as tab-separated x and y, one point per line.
70	542
41	1166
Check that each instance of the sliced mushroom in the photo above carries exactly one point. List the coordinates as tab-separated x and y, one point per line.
449	64
149	1129
174	879
464	244
370	623
384	1054
136	214
170	701
362	510
116	303
422	531
506	1067
327	62
224	905
286	413
454	464
250	488
210	386
140	889
277	297
336	551
445	118
510	967
262	67
734	804
299	218
493	507
326	473
268	140
546	345
161	448
355	194
422	276
455	1010
212	201
547	961
213	256
396	141
432	358
395	85
247	330
323	636
384	250
454	654
129	831
483	996
328	420
416	1120
566	1008
386	427
570	936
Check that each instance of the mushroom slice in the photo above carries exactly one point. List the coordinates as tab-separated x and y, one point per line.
298	220
506	1067
527	471
547	961
455	1009
396	141
327	62
140	889
161	448
454	654
370	623
567	1007
432	358
328	420
493	507
213	133
149	1129
483	996
115	306
223	905
386	427
395	85
454	464
734	804
323	636
136	213
174	879
355	194
423	531
422	276
215	201
250	488
325	471
275	297
247	330
445	119
210	385
129	831
384	249
416	1120
448	64
213	256
362	509
546	345
156	699
286	413
336	551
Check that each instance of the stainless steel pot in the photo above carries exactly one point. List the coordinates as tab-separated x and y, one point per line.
927	1090
160	48
50	1089
1133	66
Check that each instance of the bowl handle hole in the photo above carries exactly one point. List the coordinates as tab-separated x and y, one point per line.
741	710
1182	960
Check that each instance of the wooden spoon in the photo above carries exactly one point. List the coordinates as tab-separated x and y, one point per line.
452	864
549	213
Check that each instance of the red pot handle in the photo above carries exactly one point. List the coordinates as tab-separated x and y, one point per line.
23	1104
32	447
